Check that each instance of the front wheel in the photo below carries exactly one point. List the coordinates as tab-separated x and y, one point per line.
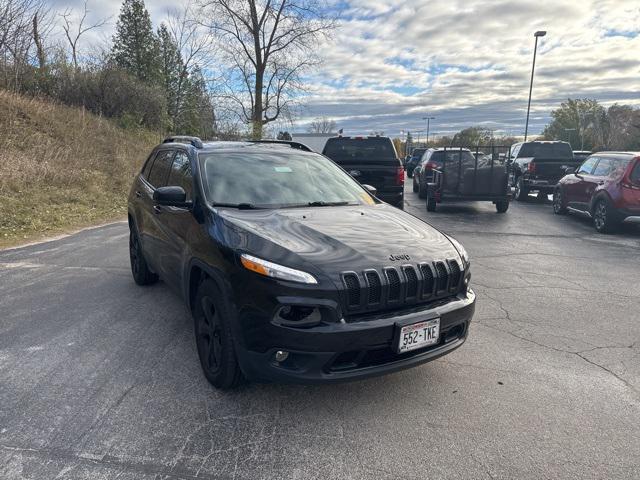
415	185
502	206
603	217
431	204
559	207
214	341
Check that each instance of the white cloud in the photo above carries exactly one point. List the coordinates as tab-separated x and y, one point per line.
465	61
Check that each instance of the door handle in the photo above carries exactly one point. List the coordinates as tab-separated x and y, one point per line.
138	194
157	209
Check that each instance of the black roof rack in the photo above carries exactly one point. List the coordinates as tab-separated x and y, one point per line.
194	141
297	145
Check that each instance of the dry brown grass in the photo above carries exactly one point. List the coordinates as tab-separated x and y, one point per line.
62	168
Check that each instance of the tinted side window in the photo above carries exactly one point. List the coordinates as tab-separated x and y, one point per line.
587	166
147	166
635	174
180	174
160	169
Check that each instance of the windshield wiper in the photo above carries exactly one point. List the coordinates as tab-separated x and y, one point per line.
239	206
329	204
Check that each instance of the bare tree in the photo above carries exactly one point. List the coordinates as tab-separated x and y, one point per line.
194	45
74	33
268	45
322	125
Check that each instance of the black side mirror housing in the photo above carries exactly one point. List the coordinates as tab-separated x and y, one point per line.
570	170
371	189
172	196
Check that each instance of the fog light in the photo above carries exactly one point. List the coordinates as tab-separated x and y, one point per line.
281	356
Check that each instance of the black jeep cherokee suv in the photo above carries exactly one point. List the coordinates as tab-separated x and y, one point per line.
292	270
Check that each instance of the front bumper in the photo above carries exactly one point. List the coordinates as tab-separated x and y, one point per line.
357	349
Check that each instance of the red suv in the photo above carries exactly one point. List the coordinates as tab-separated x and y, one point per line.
605	187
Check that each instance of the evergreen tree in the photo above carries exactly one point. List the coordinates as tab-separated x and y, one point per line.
135	47
173	74
197	115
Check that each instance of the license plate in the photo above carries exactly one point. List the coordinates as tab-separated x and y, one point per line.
419	335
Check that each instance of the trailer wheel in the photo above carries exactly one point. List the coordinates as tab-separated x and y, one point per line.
502	206
431	204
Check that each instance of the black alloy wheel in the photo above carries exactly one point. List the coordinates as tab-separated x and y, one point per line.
214	340
142	275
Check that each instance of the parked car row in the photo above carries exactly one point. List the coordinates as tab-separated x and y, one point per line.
604	186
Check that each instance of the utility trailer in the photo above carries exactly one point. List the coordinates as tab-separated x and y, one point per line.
471	174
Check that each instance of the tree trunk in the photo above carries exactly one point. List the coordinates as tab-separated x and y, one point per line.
42	59
257	108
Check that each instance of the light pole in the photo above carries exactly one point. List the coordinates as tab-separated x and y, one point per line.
540	33
428	119
569	134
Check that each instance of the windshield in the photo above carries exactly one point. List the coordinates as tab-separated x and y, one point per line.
278	179
344	150
546	150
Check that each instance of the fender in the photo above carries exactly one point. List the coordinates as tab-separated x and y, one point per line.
214	273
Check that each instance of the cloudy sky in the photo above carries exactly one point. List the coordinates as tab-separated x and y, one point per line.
465	62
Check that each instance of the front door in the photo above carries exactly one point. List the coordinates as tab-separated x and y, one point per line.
576	188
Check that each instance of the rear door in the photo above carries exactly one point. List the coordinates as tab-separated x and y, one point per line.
370	160
154	232
176	223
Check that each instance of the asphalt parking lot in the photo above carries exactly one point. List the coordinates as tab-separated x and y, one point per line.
99	379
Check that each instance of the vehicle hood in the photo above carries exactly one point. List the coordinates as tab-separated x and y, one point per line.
337	239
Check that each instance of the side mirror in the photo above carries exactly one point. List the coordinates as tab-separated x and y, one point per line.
372	190
570	170
173	196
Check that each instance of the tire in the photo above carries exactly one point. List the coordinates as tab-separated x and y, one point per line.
603	217
214	340
502	206
431	204
415	187
410	172
422	192
139	268
522	192
559	208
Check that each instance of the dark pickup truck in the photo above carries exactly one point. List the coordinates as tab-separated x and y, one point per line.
371	160
538	166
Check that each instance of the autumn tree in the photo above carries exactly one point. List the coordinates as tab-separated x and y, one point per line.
268	45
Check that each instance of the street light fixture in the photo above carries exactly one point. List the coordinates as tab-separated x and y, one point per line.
428	119
539	33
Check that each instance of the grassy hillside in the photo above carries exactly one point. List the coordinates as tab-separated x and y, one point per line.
62	168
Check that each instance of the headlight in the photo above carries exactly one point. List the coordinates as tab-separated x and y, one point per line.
461	250
270	269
